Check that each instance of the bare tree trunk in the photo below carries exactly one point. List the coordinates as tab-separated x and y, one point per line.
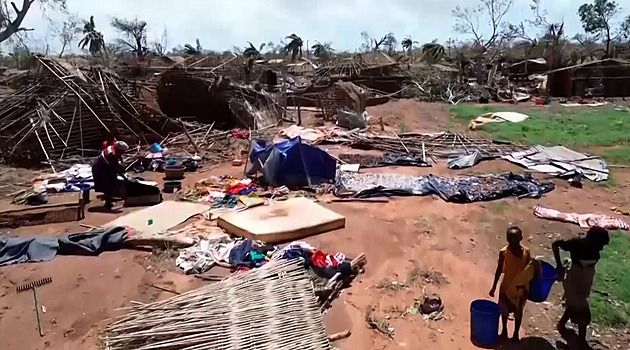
63	48
14	26
607	42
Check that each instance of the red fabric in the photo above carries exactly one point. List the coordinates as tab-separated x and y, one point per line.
319	259
240	134
236	189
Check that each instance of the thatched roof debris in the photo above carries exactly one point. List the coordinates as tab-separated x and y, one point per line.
68	110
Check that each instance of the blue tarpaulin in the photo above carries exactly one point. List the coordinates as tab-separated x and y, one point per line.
291	163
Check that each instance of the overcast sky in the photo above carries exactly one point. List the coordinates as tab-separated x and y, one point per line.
221	24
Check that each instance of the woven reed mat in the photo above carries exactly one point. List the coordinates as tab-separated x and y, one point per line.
273	307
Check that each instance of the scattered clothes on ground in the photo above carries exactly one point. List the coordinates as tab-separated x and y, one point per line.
561	161
291	163
205	254
465	161
22	250
250	254
240	187
460	190
369	161
584	220
245	254
497	117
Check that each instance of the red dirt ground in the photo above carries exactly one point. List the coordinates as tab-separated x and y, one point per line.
460	241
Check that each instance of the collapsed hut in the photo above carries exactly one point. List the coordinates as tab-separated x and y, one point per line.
217	100
602	78
64	110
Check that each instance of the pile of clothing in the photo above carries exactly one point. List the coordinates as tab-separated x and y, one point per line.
245	254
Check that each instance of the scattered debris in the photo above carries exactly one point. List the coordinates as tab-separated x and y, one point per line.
561	161
380	325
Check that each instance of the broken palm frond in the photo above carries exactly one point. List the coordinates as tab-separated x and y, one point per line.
442	145
273	307
64	110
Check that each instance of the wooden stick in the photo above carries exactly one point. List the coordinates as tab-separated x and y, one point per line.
338	336
164	289
190	137
75	92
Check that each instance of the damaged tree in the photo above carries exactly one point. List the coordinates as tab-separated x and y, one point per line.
493	11
12	24
135	32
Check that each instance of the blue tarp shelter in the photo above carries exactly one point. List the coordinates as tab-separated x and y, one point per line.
291	163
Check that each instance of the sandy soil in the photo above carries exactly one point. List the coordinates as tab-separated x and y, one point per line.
459	241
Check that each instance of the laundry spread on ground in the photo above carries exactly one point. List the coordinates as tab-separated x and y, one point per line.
584	220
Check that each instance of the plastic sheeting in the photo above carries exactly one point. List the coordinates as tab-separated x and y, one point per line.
465	161
291	163
561	161
459	190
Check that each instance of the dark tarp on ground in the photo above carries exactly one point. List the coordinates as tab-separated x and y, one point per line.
459	190
291	163
488	187
21	250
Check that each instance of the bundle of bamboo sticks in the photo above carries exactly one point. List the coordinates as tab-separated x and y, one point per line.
436	146
273	307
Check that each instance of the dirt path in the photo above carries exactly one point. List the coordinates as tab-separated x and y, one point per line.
400	238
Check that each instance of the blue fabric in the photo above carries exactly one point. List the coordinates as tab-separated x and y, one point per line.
15	250
291	163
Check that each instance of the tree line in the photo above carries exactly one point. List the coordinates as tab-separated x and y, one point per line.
483	26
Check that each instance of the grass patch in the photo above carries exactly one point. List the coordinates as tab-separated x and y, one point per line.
610	298
617	155
582	127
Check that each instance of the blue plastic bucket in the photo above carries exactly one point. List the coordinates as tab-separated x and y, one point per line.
85	192
484	322
540	287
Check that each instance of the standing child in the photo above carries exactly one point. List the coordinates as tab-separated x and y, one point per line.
518	269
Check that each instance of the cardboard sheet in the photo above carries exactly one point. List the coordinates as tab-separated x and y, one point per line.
159	218
283	221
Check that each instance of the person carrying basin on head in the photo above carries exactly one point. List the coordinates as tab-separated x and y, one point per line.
518	269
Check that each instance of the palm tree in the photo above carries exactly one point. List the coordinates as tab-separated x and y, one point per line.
433	52
322	51
294	46
193	51
135	33
93	39
407	44
252	51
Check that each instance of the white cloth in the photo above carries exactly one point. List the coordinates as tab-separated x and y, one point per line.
205	254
